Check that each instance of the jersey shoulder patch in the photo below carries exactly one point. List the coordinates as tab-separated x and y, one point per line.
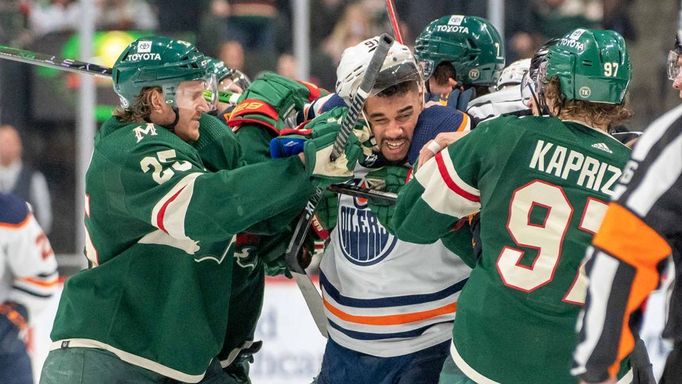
13	210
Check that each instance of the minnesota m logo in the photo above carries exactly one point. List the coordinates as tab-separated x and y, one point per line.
141	132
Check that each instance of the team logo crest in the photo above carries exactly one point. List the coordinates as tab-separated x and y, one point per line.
474	74
148	129
362	239
585	92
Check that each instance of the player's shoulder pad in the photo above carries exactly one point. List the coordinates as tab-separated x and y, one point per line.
13	210
503	122
441	118
432	121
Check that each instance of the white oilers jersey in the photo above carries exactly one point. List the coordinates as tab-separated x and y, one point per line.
383	296
506	100
28	269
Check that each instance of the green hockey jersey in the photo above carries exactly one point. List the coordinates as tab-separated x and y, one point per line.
160	238
541	186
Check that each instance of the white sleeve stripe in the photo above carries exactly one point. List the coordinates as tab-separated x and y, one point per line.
660	176
458	201
593	321
169	213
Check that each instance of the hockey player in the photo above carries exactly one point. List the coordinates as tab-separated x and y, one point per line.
507	97
461	58
640	230
389	309
28	280
164	198
539	184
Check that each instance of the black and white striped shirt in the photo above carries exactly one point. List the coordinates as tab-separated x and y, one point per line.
638	234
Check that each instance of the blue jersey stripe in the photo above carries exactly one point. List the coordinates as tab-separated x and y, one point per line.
394	301
14	210
32	293
383	336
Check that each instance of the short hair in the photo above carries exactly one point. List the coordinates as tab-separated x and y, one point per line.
141	108
400	89
591	112
444	72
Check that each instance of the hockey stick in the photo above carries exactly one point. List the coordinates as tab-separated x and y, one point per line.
291	256
393	18
354	190
75	66
51	61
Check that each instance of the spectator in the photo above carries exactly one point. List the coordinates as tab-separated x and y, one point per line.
57	16
21	179
251	22
353	27
27	281
126	14
231	53
287	65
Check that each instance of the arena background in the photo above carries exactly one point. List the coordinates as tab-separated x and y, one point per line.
57	113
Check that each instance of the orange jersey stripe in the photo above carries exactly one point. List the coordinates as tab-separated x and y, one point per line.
464	124
40	283
17	225
391	319
629	239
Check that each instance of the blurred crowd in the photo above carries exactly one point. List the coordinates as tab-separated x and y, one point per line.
256	35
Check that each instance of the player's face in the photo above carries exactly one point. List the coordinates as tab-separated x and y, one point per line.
674	71
189	98
393	120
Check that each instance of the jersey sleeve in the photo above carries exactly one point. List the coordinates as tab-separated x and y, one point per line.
30	259
634	239
443	189
167	187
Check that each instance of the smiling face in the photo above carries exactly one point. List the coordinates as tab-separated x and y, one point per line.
393	117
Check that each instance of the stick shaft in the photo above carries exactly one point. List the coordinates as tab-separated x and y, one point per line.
50	61
354	190
393	18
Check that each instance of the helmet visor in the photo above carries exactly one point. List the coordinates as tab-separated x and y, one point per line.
673	65
210	92
190	94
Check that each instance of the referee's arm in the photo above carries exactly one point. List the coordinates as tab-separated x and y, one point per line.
623	264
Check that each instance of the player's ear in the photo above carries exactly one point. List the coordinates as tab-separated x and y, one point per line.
156	100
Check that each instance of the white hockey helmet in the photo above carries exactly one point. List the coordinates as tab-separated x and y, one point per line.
399	66
513	73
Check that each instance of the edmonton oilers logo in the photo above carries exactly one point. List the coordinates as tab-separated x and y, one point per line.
363	240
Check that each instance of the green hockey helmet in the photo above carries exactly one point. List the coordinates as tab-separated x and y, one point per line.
157	61
592	65
219	69
470	43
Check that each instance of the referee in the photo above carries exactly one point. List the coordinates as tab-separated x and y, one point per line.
642	228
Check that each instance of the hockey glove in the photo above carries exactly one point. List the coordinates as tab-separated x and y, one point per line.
390	178
270	100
